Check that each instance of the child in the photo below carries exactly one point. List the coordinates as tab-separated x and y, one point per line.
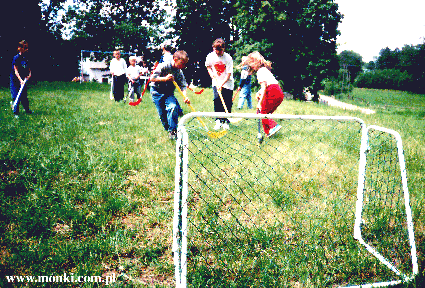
270	95
133	74
245	87
118	68
220	68
20	71
162	91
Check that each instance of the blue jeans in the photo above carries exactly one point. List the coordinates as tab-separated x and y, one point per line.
168	109
245	95
23	99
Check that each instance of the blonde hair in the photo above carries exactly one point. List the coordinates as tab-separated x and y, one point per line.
255	61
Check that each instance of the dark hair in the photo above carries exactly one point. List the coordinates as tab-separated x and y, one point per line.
219	44
22	43
166	47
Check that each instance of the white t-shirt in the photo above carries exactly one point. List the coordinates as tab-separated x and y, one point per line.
133	72
222	66
264	75
118	67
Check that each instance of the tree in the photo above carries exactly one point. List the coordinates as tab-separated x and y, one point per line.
351	63
299	37
106	25
198	24
387	59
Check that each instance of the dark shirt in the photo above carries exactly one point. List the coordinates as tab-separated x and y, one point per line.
22	63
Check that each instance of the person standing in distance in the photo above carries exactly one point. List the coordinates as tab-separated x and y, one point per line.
20	71
118	71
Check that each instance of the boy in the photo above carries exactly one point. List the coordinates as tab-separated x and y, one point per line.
220	68
245	87
118	67
133	74
20	71
162	91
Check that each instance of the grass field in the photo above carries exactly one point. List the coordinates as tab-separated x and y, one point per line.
87	184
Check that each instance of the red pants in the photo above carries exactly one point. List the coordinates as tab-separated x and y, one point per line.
272	99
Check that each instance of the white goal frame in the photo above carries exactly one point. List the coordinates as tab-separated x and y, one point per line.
181	192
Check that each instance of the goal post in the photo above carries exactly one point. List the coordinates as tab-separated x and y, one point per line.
281	213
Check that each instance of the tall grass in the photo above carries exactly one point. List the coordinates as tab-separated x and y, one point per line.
87	184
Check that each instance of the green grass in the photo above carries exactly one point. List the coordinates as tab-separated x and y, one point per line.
87	184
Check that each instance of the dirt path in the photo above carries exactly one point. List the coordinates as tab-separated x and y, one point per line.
330	101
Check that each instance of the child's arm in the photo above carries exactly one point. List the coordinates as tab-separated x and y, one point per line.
17	75
260	94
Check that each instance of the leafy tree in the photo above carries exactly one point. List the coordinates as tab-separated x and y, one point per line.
350	62
299	37
198	24
105	25
387	59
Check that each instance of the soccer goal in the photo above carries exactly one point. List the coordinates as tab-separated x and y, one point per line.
322	203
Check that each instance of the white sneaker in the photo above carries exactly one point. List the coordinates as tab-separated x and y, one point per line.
225	126
217	125
274	130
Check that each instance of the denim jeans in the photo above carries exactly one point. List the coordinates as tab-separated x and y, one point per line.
168	109
245	95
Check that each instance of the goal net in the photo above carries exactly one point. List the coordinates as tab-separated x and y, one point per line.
322	203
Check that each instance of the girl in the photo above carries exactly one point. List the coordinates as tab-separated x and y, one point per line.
270	95
20	71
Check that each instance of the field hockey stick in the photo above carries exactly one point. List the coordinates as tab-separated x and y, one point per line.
236	94
260	135
19	94
198	92
232	120
111	94
210	133
144	90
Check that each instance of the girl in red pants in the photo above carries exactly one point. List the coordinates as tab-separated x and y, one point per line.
270	95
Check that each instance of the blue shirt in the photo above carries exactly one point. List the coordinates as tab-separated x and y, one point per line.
22	63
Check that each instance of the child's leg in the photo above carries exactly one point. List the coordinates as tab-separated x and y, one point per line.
14	89
272	100
138	90
218	106
248	97
130	91
172	107
241	100
24	100
158	100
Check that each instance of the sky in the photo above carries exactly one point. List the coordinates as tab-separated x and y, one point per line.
371	25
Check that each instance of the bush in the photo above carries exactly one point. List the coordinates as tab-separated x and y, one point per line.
334	87
385	79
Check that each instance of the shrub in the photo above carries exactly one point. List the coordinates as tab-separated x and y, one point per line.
384	79
334	87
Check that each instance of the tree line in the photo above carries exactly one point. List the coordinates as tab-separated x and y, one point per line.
298	36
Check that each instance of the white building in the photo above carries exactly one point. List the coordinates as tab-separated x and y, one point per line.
95	71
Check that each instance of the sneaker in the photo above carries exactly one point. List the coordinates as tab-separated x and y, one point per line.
16	116
274	130
29	111
225	126
172	135
217	125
